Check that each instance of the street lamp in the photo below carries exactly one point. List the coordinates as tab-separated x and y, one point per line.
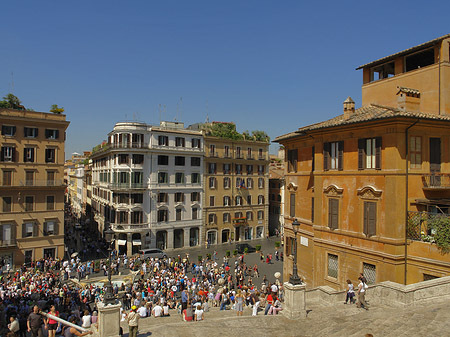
295	279
109	296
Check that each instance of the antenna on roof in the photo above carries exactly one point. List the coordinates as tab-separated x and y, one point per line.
207	116
12	82
181	108
159	111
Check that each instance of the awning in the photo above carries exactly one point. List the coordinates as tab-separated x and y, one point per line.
122	242
137	242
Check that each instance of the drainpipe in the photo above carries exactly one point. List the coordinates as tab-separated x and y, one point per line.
406	197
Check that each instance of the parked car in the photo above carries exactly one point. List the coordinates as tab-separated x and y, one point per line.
154	252
240	247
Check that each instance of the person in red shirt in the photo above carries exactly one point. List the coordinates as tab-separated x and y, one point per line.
269	300
52	324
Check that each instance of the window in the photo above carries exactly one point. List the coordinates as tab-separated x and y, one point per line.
226	201
178	212
51	134
28	155
212	182
212	151
6	234
179	161
380	72
29	178
195	196
226	183
196	143
260	215
179	178
370	272
419	60
226	168
8	153
261	170
163	140
370	218
137	198
163	197
238	215
333	156
7	202
238	152
7	177
239	182
415	152
292	205
249	153
226	151
212	168
136	217
195	161
292	156
212	218
179	197
123	159
333	265
249	199
138	158
211	200
238	168
49	228
260	154
333	213
249	215
163	178
29	229
195	178
249	182
226	217
29	203
124	177
179	141
163	215
50	202
8	130
260	182
260	200
163	160
30	132
194	213
50	155
369	153
238	200
122	217
249	169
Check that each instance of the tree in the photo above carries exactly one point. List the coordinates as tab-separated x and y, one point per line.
11	101
260	136
55	109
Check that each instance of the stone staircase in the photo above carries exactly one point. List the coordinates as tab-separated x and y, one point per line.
428	319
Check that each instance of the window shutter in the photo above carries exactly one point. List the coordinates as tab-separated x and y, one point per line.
295	159
366	218
56	134
24	156
361	153
37	132
13	130
313	158
326	156
14	154
32	156
1	233
333	212
372	220
378	153
341	156
35	229
292	205
2	155
24	227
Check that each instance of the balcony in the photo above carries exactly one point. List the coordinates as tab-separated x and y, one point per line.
132	145
239	156
436	181
213	154
227	155
8	243
429	227
127	186
129	228
42	183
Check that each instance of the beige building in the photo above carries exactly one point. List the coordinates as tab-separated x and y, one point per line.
32	186
236	205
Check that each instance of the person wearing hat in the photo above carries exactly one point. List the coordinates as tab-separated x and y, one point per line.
132	320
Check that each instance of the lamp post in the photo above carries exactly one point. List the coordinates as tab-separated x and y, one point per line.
109	296
295	279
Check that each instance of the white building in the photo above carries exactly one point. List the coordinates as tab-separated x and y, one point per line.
147	183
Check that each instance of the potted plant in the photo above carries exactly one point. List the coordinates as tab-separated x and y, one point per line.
235	252
258	248
200	258
277	244
246	250
228	253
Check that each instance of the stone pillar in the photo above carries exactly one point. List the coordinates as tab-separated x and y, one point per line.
108	319
129	244
187	235
294	301
169	239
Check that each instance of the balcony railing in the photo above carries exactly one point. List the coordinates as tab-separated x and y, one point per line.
213	154
41	183
423	226
128	227
227	155
126	186
250	156
436	181
7	243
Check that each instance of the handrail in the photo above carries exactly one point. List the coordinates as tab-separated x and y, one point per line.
63	321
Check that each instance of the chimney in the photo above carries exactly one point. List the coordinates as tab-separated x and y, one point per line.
349	107
408	99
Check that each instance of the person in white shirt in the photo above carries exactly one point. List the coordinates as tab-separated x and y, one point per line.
198	314
157	310
86	320
166	310
142	311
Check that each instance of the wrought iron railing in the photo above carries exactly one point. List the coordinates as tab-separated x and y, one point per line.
40	183
126	186
436	180
421	226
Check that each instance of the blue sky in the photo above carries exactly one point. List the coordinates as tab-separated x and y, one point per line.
265	65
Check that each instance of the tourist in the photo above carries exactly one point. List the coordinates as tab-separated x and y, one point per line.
157	310
35	322
275	308
133	322
86	320
198	315
269	302
13	326
71	331
52	324
142	311
240	303
350	292
361	293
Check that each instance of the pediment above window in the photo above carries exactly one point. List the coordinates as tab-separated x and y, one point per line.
369	192
292	187
333	190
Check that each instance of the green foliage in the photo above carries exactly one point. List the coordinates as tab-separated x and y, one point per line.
246	250
235	252
200	258
208	256
228	253
440	229
260	136
258	248
55	109
225	130
277	244
97	265
11	101
246	135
